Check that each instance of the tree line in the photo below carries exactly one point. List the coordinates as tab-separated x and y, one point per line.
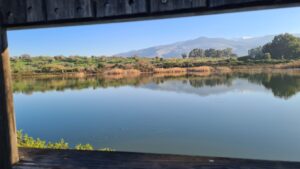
283	46
210	53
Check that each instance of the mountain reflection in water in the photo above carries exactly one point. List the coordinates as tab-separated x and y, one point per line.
283	85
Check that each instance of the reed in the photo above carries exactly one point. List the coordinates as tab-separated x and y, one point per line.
200	69
170	70
122	72
290	65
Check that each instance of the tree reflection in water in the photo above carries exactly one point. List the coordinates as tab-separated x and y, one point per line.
282	84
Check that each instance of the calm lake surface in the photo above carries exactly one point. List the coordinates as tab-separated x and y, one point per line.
242	115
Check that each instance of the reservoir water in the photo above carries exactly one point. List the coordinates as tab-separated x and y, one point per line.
241	115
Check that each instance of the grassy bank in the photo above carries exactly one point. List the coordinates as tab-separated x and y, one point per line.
134	66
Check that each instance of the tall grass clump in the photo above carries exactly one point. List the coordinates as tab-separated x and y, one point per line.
201	69
290	65
122	72
223	70
170	70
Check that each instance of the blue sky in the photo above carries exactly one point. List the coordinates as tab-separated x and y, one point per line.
108	39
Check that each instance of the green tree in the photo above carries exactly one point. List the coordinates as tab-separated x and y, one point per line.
267	56
228	52
196	53
211	52
184	56
256	53
284	46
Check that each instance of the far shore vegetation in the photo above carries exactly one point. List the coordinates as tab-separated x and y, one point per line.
25	141
282	53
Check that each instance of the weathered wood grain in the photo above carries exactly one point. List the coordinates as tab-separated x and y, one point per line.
18	14
13	11
174	5
8	136
70	159
68	9
219	3
35	11
109	8
22	11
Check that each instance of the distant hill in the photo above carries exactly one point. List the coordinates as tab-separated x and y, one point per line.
240	46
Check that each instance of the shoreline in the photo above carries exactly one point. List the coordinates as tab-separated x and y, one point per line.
175	71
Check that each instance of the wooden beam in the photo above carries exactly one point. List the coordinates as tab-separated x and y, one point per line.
120	8
19	14
217	3
176	5
72	159
68	9
8	137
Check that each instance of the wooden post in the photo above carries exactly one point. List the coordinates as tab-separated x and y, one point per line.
8	136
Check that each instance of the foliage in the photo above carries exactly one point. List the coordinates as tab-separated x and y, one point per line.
283	46
196	53
92	65
84	147
184	56
212	53
58	145
107	149
256	52
267	56
29	142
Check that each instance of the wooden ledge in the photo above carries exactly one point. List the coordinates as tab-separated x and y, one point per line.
70	159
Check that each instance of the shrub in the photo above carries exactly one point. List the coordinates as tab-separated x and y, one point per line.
58	145
144	66
26	141
84	147
29	142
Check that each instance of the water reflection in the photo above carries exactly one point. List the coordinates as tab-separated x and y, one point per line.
282	84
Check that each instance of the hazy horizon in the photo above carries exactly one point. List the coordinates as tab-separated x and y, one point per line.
238	40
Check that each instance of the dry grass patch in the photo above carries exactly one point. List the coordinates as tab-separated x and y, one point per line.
200	69
200	73
291	65
132	72
224	70
122	72
157	75
170	70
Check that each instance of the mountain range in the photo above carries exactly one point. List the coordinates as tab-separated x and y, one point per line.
240	46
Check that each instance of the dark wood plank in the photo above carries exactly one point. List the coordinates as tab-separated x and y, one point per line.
109	8
8	136
222	3
21	11
69	9
35	11
18	14
13	11
174	5
70	159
